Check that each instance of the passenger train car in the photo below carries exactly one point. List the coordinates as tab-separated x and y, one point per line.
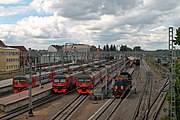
20	83
63	82
88	80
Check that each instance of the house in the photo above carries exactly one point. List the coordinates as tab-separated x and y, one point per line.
2	44
9	59
23	55
55	48
82	48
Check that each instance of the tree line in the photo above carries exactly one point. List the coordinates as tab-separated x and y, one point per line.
122	48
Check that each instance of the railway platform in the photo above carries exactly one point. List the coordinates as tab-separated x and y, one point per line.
104	88
15	101
5	85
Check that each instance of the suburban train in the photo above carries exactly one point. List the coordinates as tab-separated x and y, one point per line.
65	81
20	82
123	83
88	80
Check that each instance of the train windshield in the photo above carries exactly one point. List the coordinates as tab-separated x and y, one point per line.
84	80
21	80
59	80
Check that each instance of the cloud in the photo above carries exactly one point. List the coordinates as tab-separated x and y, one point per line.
83	9
9	1
13	10
96	22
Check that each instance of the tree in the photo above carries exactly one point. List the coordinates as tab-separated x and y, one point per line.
107	47
123	48
104	48
93	48
137	48
177	41
114	48
111	48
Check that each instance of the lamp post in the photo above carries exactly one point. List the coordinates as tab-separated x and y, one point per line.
30	113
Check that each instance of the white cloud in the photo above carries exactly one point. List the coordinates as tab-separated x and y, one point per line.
13	10
131	22
9	1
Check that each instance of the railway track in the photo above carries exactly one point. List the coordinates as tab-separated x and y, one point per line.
36	104
69	109
144	101
155	107
107	110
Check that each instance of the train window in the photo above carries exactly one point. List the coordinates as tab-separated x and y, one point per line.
62	80
22	81
84	80
19	79
16	81
87	81
57	80
80	80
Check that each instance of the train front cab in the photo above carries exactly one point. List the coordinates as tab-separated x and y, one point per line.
84	84
20	83
119	87
60	84
122	84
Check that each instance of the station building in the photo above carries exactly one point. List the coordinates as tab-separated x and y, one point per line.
9	59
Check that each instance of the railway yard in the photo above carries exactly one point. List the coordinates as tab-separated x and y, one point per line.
93	91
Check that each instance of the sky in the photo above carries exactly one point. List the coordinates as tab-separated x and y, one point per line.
38	24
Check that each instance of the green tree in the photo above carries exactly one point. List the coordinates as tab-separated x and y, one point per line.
111	48
114	48
107	47
177	41
93	48
104	48
137	48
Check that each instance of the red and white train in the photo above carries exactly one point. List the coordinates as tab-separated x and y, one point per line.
21	83
88	80
65	81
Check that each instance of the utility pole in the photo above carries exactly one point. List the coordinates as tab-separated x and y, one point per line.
49	62
172	107
40	84
30	113
24	57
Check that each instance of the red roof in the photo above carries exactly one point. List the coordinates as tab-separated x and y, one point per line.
2	44
21	48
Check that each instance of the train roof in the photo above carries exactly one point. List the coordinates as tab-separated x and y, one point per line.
84	76
62	76
131	58
20	76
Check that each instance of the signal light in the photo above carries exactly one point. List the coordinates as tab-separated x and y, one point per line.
122	87
116	87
